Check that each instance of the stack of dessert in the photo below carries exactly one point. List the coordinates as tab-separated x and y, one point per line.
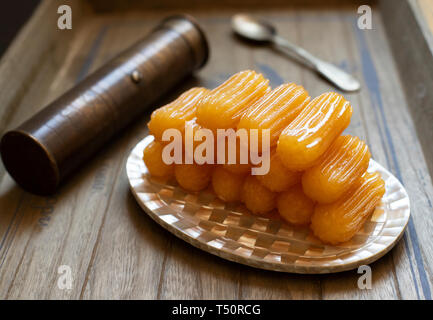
317	176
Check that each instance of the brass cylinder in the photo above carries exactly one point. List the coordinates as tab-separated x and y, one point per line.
45	149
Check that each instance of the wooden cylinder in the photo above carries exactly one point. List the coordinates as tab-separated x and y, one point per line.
45	149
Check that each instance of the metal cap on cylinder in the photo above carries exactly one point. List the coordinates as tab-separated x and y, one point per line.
45	149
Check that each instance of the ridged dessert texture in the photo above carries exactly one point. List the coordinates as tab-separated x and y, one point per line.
176	113
275	110
341	220
223	107
341	165
317	176
310	134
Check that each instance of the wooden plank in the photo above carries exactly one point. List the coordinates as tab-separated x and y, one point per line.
413	53
128	255
412	44
20	64
189	273
404	157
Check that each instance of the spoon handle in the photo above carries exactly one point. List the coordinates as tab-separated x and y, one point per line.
337	76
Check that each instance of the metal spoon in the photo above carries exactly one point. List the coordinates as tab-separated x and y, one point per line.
257	30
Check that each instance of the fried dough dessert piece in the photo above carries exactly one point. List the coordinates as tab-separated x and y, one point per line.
310	134
223	107
152	157
341	220
294	206
339	168
275	110
226	184
279	178
174	114
256	197
193	177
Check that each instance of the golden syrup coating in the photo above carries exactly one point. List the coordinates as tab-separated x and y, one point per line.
223	107
193	177
341	220
152	157
275	110
310	134
279	178
227	185
176	113
294	206
338	169
256	197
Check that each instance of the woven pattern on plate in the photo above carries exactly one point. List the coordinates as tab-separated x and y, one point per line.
231	232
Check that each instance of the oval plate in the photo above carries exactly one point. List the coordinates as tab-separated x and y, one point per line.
231	232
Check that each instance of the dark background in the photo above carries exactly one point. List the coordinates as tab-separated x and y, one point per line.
13	15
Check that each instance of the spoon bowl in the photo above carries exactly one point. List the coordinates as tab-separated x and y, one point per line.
253	29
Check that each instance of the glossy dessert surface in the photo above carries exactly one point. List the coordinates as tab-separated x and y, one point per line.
339	221
275	110
337	170
224	106
176	113
310	134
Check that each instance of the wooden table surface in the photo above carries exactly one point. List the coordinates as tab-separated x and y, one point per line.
93	223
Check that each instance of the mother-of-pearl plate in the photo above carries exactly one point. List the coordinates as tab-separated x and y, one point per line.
231	232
